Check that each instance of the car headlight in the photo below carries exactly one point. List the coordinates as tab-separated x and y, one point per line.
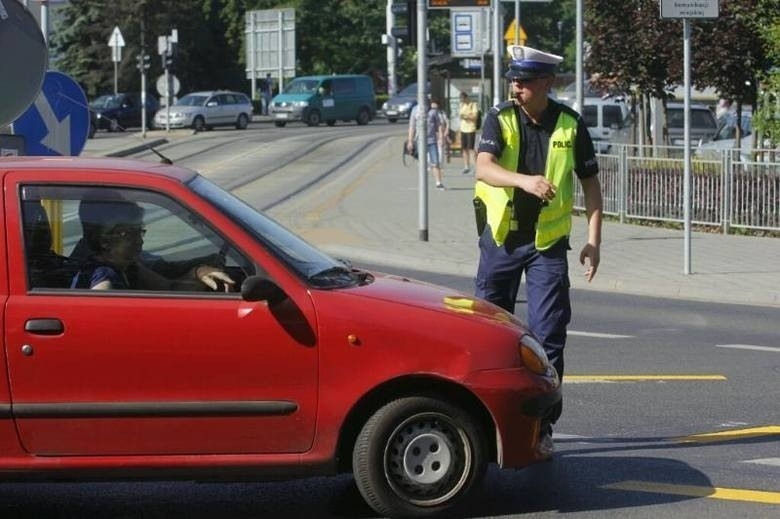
301	103
533	354
405	106
384	105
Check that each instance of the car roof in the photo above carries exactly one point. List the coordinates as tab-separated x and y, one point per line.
117	165
697	106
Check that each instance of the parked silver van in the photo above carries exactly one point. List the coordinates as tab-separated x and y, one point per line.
313	99
608	120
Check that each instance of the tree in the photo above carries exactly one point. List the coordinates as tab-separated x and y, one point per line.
766	117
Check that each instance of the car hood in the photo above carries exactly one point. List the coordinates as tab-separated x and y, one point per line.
291	98
413	293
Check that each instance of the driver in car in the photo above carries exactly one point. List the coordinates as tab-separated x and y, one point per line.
113	232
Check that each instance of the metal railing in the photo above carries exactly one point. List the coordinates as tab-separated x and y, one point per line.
726	192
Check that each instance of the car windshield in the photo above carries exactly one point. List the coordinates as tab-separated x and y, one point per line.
311	264
410	90
105	102
302	86
727	129
192	100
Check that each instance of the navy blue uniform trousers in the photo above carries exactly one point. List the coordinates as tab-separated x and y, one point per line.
547	286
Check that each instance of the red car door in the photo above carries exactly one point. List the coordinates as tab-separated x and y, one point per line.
129	373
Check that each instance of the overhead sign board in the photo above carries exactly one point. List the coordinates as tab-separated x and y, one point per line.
446	4
689	8
270	42
57	122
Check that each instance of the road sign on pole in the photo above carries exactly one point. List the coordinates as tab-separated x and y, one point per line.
687	10
116	42
57	122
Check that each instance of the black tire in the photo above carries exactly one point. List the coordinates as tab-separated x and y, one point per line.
392	120
91	131
330	122
242	122
279	124
419	457
363	117
198	124
314	118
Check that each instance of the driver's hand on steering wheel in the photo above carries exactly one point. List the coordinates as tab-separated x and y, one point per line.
210	276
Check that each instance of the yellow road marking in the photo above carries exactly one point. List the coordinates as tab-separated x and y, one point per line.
732	434
729	494
637	378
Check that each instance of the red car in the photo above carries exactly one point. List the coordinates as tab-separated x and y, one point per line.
157	326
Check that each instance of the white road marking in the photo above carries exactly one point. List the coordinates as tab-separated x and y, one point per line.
748	347
599	335
765	461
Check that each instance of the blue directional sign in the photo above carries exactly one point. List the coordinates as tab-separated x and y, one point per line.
57	122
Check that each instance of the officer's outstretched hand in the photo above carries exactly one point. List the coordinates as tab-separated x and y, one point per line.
592	254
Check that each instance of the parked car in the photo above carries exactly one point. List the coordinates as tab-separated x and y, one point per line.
116	112
703	123
400	105
267	378
608	121
205	110
725	137
313	99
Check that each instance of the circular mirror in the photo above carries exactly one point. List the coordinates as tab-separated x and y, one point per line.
23	60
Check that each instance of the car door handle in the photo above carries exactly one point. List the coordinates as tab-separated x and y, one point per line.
44	326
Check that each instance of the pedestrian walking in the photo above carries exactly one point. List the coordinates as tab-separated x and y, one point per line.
469	114
444	134
530	150
267	89
433	135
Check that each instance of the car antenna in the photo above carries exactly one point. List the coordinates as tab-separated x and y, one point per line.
163	158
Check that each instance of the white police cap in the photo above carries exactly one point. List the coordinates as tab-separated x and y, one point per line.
529	63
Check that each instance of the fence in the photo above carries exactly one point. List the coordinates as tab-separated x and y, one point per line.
726	192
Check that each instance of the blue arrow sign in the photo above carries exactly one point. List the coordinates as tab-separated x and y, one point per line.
57	122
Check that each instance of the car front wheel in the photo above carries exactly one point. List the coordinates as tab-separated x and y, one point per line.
242	122
198	124
418	457
314	118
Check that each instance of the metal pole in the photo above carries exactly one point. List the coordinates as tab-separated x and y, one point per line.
392	50
497	52
281	51
579	74
45	19
143	73
422	120
687	144
517	22
252	65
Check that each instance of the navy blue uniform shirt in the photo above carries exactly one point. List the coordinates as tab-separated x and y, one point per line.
534	141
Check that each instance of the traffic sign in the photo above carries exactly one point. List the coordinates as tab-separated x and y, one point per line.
116	42
175	85
689	9
57	122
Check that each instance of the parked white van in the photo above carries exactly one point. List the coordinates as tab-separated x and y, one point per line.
608	120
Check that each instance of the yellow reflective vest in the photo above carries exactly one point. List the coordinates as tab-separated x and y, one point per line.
555	218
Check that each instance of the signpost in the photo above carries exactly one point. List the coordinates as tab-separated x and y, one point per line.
686	10
57	122
116	42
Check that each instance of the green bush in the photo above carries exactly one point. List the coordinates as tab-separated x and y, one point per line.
380	99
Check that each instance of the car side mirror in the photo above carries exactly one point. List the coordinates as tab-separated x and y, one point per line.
260	288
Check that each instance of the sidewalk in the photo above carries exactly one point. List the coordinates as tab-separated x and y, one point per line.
372	216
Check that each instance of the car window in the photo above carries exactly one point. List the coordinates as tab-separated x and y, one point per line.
302	86
192	100
701	119
76	234
590	116
612	114
344	86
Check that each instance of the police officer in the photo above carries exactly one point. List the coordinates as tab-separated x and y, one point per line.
530	150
